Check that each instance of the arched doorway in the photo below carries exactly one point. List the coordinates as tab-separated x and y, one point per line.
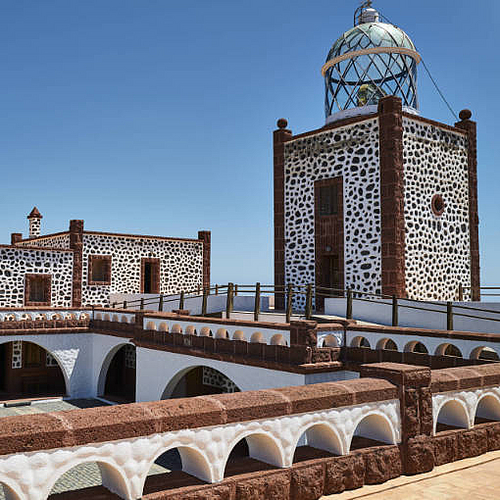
199	381
119	384
27	370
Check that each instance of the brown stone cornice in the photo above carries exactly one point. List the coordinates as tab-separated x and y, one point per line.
96	425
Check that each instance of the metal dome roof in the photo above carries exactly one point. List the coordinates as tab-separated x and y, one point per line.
367	35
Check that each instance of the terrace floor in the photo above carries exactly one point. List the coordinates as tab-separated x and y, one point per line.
475	478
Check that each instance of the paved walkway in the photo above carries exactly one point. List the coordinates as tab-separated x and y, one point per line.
472	479
54	405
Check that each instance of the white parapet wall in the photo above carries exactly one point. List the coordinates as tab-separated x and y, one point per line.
125	463
215	303
433	317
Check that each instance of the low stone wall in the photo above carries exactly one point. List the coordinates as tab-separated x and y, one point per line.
129	431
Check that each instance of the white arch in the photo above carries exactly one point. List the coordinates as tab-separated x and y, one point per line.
172	384
194	462
441	349
452	412
321	435
382	343
10	489
257	338
205	332
358	340
103	373
278	339
410	346
487	406
374	425
222	333
330	341
113	478
190	330
55	355
477	351
261	446
239	335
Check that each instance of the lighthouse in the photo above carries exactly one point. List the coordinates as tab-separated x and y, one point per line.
378	199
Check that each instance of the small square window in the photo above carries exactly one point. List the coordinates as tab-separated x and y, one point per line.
328	200
99	270
37	289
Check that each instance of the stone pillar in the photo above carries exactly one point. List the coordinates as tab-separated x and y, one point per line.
392	196
206	237
76	244
303	333
416	411
470	127
280	136
35	220
15	238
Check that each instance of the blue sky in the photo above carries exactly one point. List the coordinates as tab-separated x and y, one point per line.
156	117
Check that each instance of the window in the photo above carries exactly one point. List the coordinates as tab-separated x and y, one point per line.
328	201
37	289
99	270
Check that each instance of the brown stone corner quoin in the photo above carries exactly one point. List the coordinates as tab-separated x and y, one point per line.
76	244
469	126
415	396
280	136
391	195
206	237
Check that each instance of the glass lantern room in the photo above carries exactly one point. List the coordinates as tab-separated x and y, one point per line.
366	63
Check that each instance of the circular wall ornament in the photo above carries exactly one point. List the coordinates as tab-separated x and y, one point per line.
437	205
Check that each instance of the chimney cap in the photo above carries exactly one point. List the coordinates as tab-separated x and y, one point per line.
35	214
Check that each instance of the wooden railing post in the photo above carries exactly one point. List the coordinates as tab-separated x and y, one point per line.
113	305
181	300
309	301
256	309
204	302
235	290
460	293
124	304
229	300
289	295
160	303
449	316
142	304
348	312
216	289
395	315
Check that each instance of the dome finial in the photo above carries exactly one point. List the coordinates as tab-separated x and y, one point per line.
365	13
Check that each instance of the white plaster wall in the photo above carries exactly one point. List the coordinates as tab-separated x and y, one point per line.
155	369
204	450
215	303
431	343
80	357
380	312
462	411
267	334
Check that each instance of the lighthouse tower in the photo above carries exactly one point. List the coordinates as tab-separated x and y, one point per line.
379	199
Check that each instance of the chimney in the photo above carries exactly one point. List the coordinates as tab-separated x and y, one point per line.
15	238
35	218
